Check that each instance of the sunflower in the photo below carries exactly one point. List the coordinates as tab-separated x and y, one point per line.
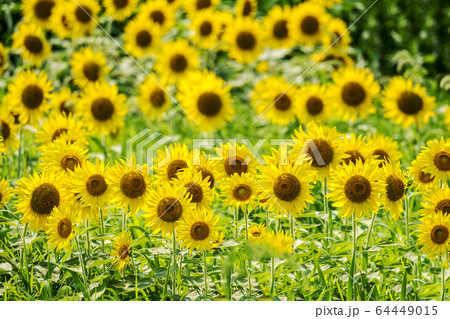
88	67
60	156
176	59
386	150
120	9
207	167
314	103
244	38
424	181
307	23
206	99
436	200
159	14
61	225
141	38
167	207
357	189
262	67
38	194
80	211
3	58
206	27
38	12
130	185
337	59
246	8
280	243
218	239
435	158
171	161
257	233
337	37
103	108
64	101
28	94
31	43
321	143
395	190
240	191
59	21
406	103
198	230
198	188
447	114
282	156
82	16
233	158
326	3
356	148
353	93
193	7
153	99
122	250
58	125
5	192
9	130
434	234
276	27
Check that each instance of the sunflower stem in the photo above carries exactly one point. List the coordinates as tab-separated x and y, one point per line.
124	221
24	259
88	239
236	222
272	277
102	229
370	230
249	261
407	219
326	210
19	155
246	226
355	247
174	252
205	274
291	226
444	266
83	268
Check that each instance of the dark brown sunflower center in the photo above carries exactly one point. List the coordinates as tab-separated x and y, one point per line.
2	60
358	189
102	109
69	162
33	44
158	98
158	17
381	155
83	14
58	133
353	156
209	104
206	28
395	188
44	198
65	23
314	105
353	94
169	209
43	9
64	228
321	153
425	177
203	4
120	4
32	96
443	206
91	71
65	107
242	192
246	40
287	187
410	103
207	173
283	102
96	185
124	251
195	191
235	164
256	234
309	25
439	234
280	30
247	9
174	167
199	231
5	130
132	184
178	63
442	161
143	38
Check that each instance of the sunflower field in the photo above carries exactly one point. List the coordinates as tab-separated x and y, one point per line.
224	150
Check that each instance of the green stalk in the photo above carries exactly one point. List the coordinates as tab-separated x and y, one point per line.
272	277
205	274
24	259
236	222
124	221
102	229
249	261
444	265
326	209
19	160
370	230
291	226
174	252
407	219
246	226
88	239
83	267
353	264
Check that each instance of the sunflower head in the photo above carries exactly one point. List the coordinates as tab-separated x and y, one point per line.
61	227
435	158
434	234
121	251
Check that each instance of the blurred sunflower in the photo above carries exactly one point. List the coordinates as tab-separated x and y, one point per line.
61	228
240	191
88	67
171	161
257	233
395	190
406	103
122	250
206	99
314	103
57	125
280	243
9	130
60	156
197	188
307	23
423	181
38	12
198	230
326	3
353	93
337	37
434	234
102	108
206	167
6	192
159	14
386	150
59	21
31	43
193	7
120	9
28	94
141	38
82	16
356	148
205	27
218	239
64	101
337	59
153	99
234	159
357	189
246	8
436	200
3	58
276	27
435	159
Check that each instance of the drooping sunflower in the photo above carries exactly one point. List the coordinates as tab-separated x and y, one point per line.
386	150
198	230
436	200
246	8
3	58
38	194
206	99
64	101
38	12
356	148
307	23
167	207
276	99
423	180
234	159
257	233
120	9
102	108
353	93
198	188
60	156
314	103
59	21
395	190
207	167
277	28
122	250
240	191
153	99
280	243
357	189
406	103
435	159
206	27
88	67
321	143
434	234
287	187
31	43
5	192
337	37
9	130
244	38
130	185
61	227
171	161
82	16
141	38
193	7
176	59
57	125
159	14
28	94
